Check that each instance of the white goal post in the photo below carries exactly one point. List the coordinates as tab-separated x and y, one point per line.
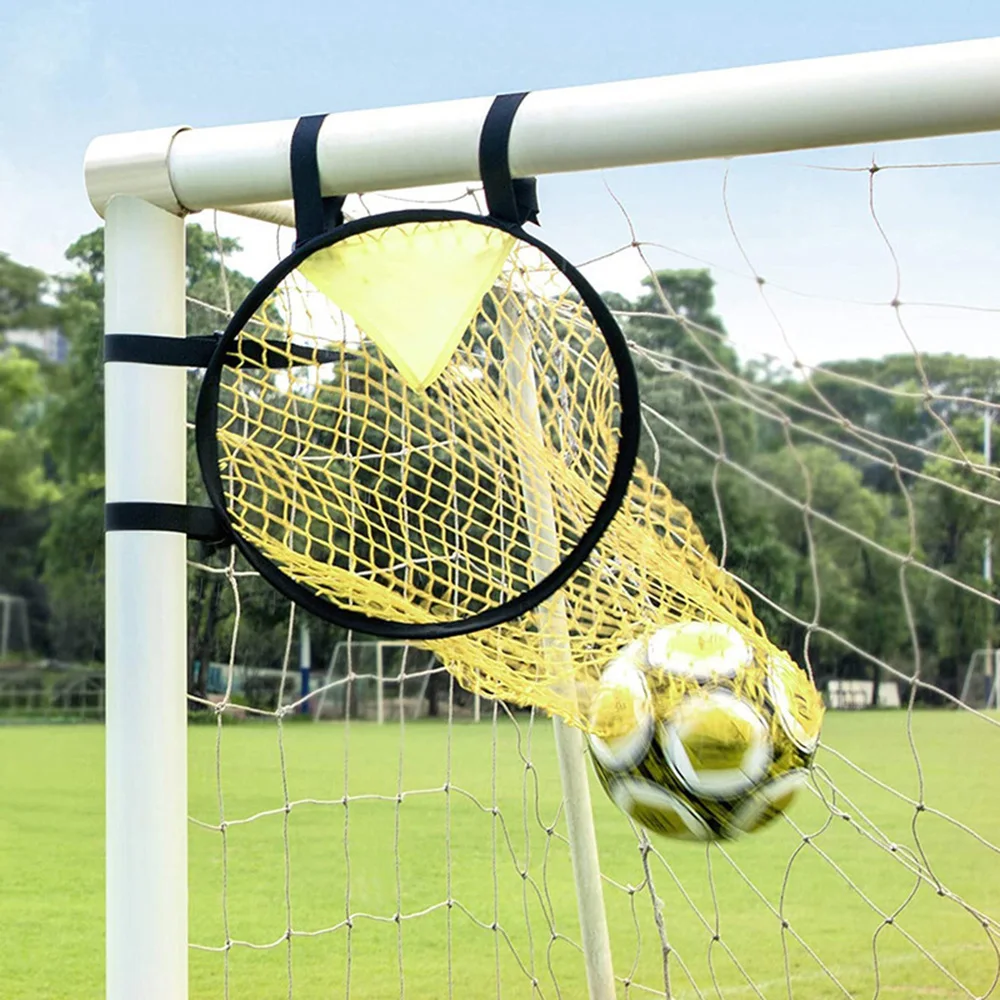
143	184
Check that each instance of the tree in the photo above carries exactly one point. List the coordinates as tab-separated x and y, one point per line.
686	367
858	593
706	444
212	290
676	316
72	546
889	406
23	482
25	491
74	417
25	487
22	476
687	384
955	513
74	422
73	560
22	297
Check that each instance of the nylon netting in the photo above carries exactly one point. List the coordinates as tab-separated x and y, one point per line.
427	856
416	504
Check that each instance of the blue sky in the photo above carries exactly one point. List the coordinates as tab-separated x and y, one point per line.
71	70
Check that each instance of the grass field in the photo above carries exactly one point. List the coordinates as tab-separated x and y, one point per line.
51	869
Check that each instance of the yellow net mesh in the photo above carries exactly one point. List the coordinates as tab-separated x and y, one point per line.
451	456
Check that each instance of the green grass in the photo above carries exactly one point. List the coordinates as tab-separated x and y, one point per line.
51	869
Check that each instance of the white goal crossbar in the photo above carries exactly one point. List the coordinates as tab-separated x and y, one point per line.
143	183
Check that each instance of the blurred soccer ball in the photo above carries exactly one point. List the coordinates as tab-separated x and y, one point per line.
701	738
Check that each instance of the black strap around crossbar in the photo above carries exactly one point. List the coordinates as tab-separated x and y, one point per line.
314	214
510	200
200	523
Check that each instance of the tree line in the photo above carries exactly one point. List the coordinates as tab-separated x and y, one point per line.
852	502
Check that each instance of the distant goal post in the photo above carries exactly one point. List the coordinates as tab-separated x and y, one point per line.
981	683
855	694
380	680
144	183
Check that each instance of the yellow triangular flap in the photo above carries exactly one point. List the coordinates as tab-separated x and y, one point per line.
412	288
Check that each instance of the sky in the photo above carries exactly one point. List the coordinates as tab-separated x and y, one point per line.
71	70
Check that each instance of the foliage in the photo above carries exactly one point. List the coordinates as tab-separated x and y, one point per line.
212	291
22	297
22	565
791	477
22	482
23	306
807	486
852	578
954	525
73	557
52	440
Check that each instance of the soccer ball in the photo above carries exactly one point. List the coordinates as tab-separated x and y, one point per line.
696	735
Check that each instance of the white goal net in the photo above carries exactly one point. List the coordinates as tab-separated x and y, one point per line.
813	333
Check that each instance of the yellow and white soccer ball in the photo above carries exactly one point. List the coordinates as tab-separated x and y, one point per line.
702	738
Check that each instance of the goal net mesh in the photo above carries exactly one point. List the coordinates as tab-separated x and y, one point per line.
827	434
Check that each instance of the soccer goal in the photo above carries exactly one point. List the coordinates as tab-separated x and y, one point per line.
981	684
15	634
800	260
376	679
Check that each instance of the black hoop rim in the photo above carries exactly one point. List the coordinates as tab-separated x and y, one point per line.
206	424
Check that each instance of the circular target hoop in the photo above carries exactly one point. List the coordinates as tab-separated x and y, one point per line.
615	486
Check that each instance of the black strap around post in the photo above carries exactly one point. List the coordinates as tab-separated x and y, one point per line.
200	523
196	352
151	349
314	214
510	200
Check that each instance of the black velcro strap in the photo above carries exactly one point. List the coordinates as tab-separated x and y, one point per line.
314	214
196	352
281	354
201	523
514	201
148	349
